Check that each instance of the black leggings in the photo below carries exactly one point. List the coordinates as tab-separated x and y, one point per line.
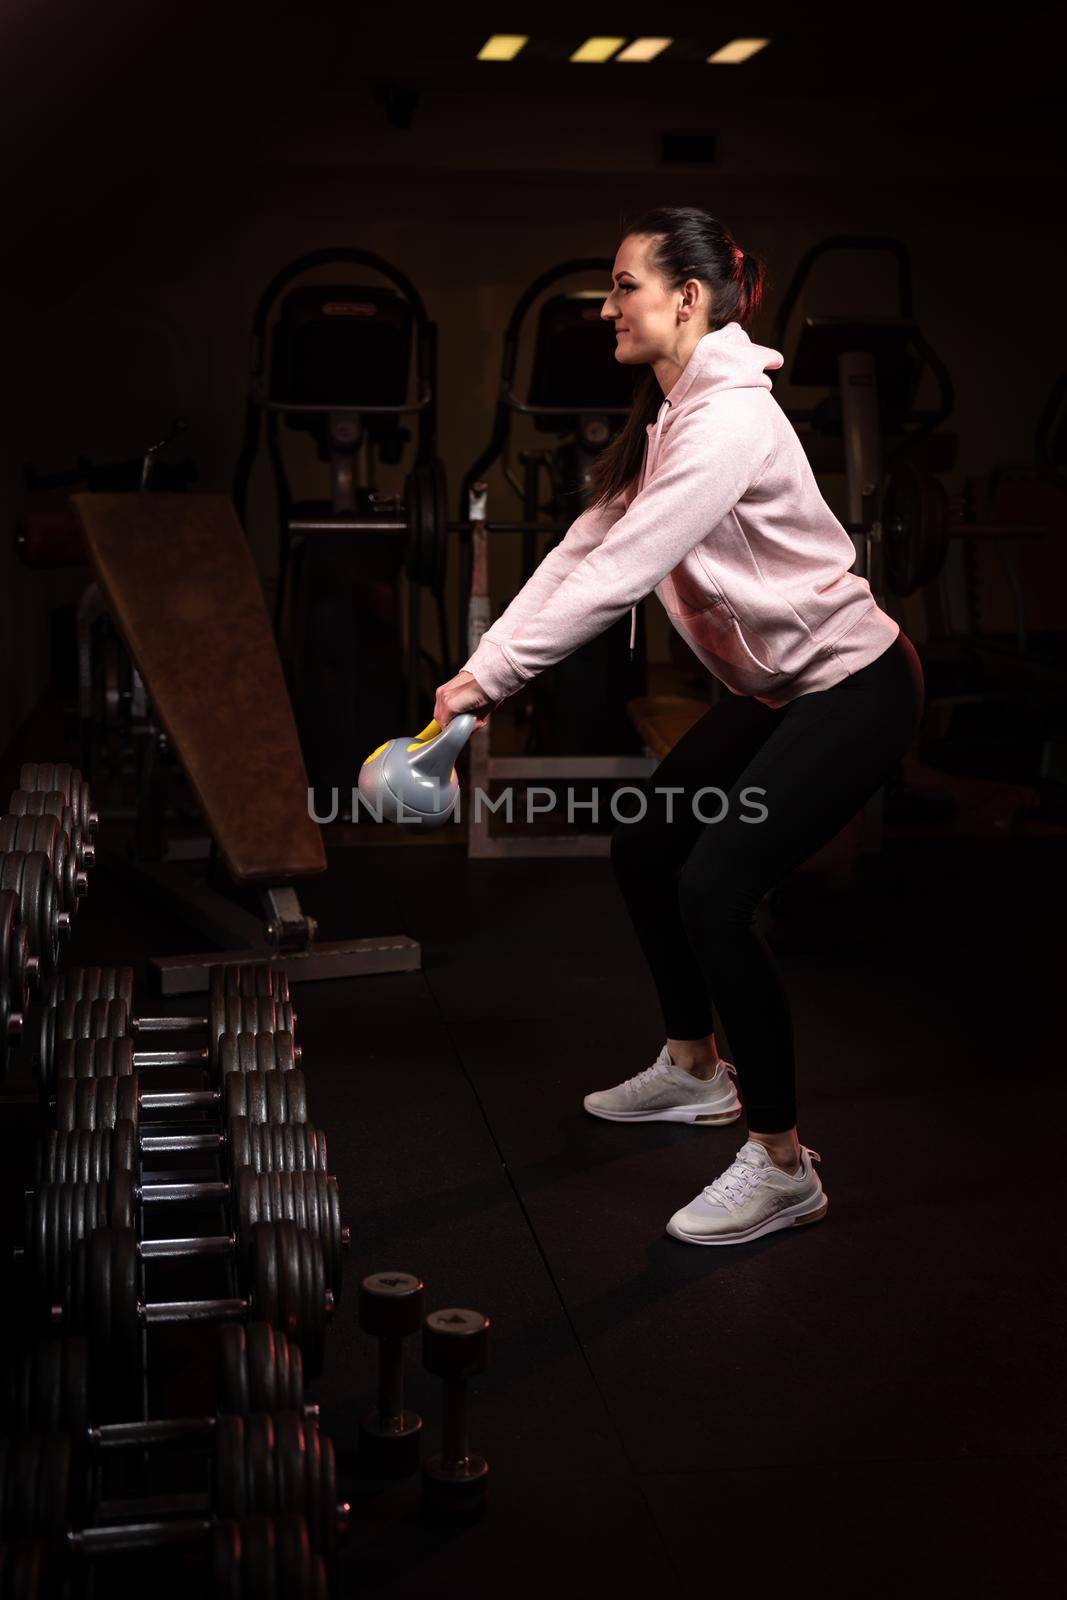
777	785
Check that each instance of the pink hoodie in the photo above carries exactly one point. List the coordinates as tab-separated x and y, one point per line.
728	526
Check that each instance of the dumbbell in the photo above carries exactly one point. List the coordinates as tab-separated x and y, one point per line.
14	976
455	1345
251	980
81	1154
60	1215
51	777
27	834
255	1558
50	1389
390	1308
111	1019
261	1464
18	967
283	1274
36	803
28	874
271	1097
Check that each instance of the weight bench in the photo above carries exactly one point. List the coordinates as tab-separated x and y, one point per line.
176	576
662	719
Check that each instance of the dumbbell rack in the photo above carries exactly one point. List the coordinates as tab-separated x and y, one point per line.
83	1026
78	1395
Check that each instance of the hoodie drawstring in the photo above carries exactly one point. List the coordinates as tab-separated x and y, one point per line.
648	461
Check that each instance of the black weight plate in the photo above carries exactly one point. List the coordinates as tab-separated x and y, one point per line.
74	1409
313	1302
258	1561
227	1054
234	1096
284	1052
54	1509
241	1146
20	1490
328	1491
233	1374
287	1147
66	1105
50	1156
291	1295
289	1463
123	1148
47	1415
230	1479
296	1095
264	1389
127	1098
226	1566
119	1200
333	1239
105	1094
261	1463
263	1275
277	1107
125	1296
291	1374
247	1209
316	1469
297	1565
256	1096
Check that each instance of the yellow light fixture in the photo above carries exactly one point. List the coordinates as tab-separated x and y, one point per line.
644	50
597	49
503	46
738	50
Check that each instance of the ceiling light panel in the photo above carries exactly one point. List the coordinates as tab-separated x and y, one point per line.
644	50
738	50
503	46
598	48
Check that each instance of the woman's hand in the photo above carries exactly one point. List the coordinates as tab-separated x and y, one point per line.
461	693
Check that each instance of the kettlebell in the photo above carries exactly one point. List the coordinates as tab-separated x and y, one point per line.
413	780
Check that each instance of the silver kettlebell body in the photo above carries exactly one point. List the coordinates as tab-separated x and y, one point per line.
412	781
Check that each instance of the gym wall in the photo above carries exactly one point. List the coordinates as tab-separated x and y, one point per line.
164	184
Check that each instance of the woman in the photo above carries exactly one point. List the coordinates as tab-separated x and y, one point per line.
707	497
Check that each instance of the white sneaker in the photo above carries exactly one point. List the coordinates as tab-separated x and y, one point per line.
752	1197
666	1093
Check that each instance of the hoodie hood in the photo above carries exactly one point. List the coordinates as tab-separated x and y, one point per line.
724	359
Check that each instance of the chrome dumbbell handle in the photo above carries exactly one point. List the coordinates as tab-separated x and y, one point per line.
162	1430
177	1312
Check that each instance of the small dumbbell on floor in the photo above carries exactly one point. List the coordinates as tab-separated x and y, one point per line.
390	1309
455	1348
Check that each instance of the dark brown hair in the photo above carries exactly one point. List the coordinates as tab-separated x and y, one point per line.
686	243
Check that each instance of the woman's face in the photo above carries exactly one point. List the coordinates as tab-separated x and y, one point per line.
644	311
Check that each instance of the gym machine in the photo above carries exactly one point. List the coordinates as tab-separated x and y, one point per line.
338	370
891	450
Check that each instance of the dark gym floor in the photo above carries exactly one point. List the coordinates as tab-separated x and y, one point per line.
873	1406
